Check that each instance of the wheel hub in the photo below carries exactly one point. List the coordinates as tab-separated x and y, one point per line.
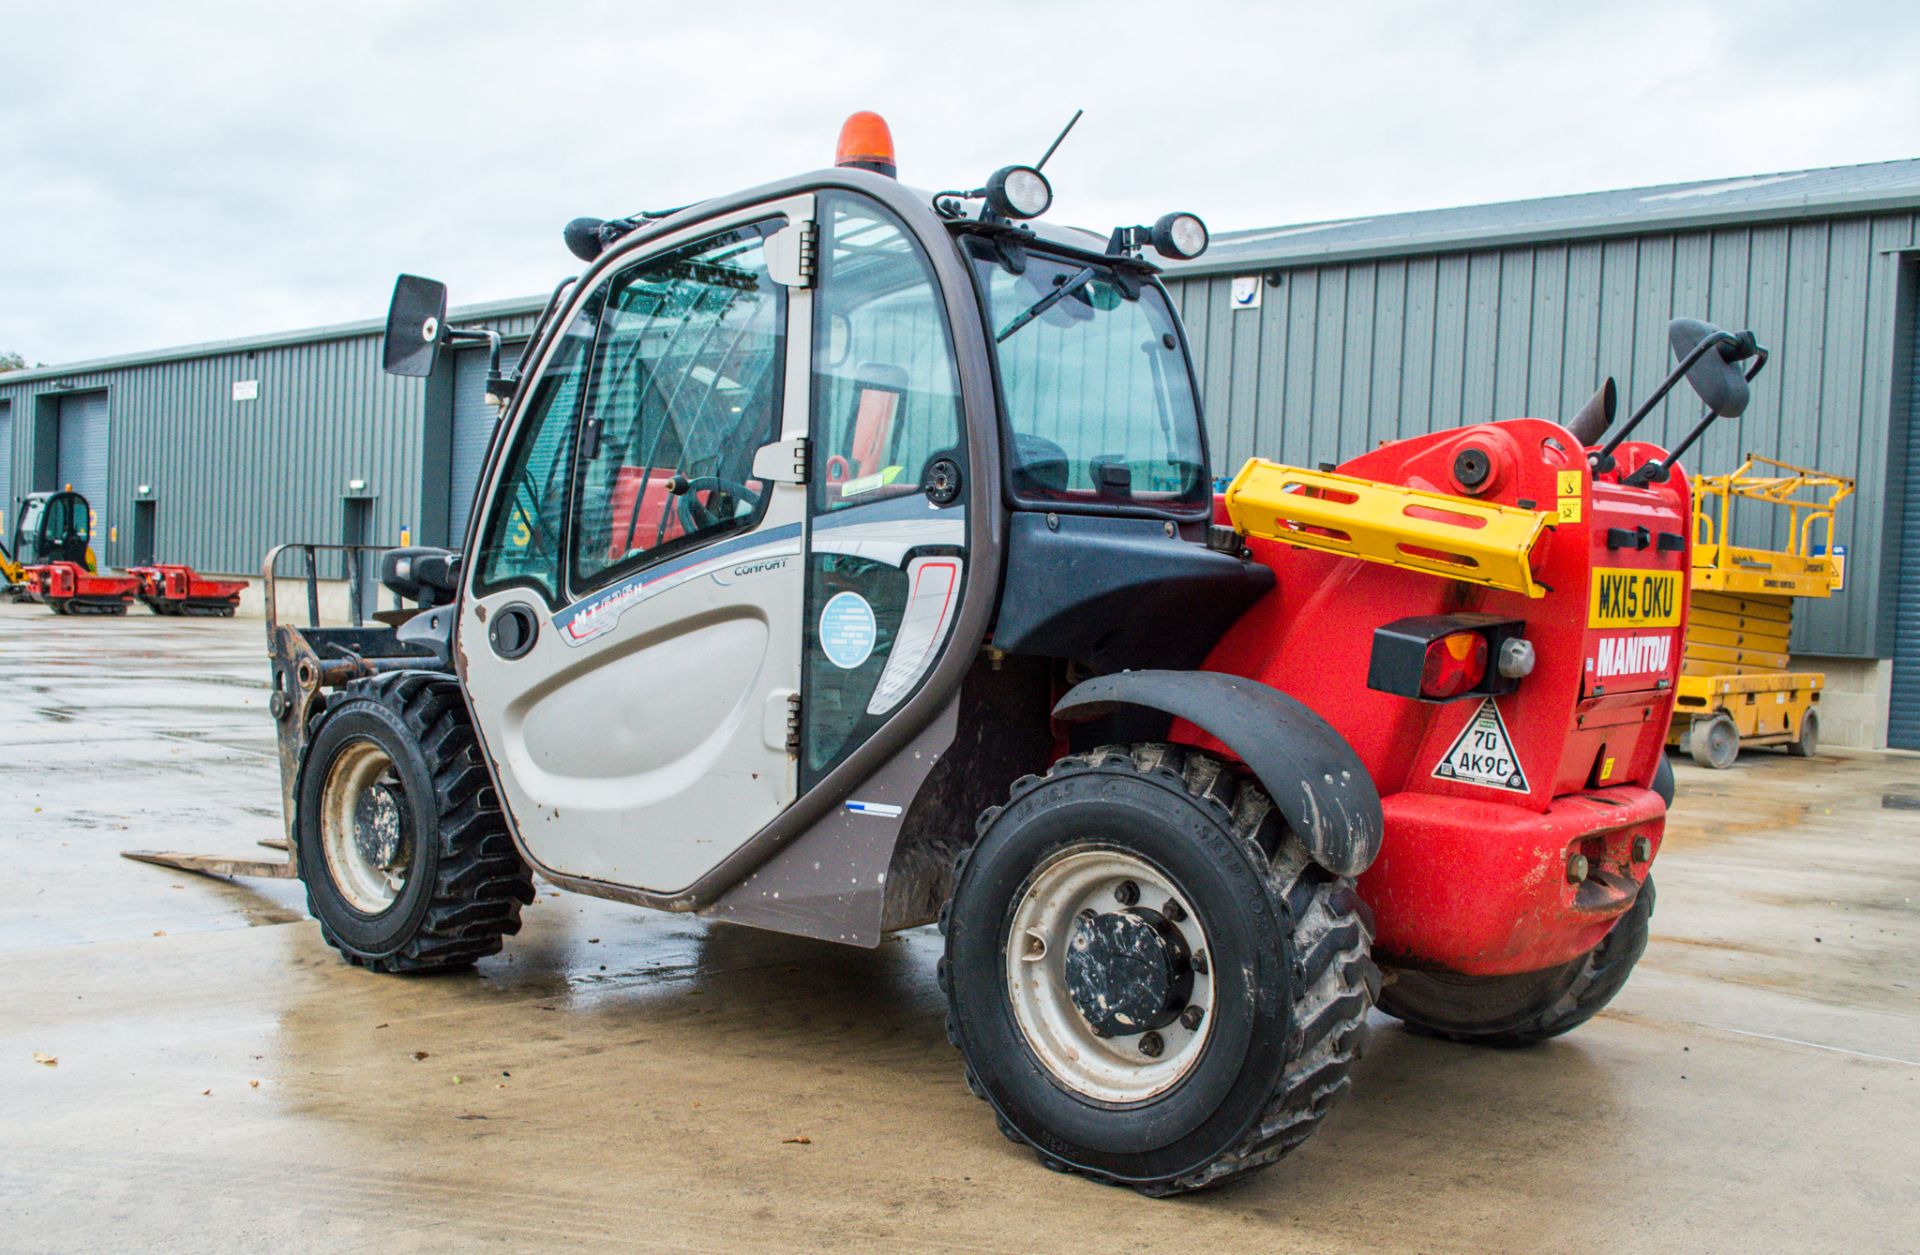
364	828
376	826
1109	975
1128	971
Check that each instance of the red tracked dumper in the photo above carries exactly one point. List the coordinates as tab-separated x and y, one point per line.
847	561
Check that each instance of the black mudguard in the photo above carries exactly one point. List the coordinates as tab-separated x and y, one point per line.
1308	769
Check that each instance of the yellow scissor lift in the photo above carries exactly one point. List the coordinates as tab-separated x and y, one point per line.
1737	686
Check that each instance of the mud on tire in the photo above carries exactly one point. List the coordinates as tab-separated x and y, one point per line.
1291	974
400	840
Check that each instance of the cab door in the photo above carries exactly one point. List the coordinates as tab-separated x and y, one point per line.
631	632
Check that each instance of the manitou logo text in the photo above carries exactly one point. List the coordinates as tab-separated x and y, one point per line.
1623	598
1632	655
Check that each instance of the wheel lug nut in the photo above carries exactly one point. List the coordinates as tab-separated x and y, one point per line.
1174	911
1151	1045
1126	893
1199	962
1190	1018
1576	869
1642	850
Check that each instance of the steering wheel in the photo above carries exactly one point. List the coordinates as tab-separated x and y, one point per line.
698	517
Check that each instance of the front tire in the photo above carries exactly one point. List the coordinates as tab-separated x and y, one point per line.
1529	1007
401	843
1147	978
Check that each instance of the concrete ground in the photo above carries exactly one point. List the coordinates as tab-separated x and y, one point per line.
621	1078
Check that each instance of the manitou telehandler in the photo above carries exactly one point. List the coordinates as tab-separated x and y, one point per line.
846	559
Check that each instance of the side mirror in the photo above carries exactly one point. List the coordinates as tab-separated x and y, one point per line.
416	326
1717	376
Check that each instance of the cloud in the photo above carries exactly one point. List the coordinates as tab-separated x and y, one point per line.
195	171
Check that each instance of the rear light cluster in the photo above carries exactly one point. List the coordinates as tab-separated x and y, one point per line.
1455	664
1447	657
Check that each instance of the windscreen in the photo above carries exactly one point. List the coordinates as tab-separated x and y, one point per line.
1099	402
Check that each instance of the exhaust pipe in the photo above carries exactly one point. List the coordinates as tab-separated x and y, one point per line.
1596	415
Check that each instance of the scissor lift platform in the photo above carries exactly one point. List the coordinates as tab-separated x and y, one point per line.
1738	687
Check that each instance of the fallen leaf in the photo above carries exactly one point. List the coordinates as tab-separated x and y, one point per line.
418	1055
456	1079
206	1093
159	932
470	1117
253	1084
379	1026
46	1059
801	1140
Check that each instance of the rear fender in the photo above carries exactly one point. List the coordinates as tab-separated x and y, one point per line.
1313	776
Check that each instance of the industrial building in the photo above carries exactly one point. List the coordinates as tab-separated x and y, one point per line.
1312	343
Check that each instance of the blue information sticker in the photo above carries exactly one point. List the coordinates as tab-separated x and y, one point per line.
847	630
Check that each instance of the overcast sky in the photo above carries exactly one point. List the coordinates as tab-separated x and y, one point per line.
181	172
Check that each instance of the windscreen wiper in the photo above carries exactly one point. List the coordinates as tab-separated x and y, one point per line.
1072	284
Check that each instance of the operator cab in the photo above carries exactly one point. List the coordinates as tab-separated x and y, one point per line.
780	465
53	527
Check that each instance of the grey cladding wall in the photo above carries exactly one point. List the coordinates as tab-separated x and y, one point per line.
230	477
1342	356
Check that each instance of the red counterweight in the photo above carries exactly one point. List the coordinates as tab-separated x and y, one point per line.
1493	802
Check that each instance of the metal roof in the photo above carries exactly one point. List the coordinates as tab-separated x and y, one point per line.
1882	185
270	340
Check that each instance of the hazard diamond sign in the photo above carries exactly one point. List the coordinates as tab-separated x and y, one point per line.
1483	753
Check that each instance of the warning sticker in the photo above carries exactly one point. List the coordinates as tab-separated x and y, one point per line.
1483	753
1572	486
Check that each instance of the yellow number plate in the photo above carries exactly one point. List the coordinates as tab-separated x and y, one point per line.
1630	599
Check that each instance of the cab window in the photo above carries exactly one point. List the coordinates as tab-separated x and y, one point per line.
1098	399
521	544
886	408
684	389
886	402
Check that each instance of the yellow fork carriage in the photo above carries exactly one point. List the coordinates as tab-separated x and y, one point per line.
1737	683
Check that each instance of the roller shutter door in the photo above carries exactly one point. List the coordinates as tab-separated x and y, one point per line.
81	455
6	472
1903	725
473	421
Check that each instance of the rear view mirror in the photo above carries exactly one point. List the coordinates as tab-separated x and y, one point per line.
416	326
1717	376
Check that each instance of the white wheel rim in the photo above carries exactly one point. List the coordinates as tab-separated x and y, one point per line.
1114	1069
364	829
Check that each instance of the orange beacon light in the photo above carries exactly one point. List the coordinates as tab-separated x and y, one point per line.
866	144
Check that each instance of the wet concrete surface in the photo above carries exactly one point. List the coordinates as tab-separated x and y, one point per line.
626	1079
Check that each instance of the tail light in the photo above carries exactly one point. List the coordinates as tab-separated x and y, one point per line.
1455	664
1447	657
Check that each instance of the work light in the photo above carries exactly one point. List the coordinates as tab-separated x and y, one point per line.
1180	235
1019	192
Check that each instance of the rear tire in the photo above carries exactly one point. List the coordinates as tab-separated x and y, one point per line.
1284	988
1807	744
1714	741
400	840
1527	1008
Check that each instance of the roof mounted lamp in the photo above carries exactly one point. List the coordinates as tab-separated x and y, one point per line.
866	143
1180	236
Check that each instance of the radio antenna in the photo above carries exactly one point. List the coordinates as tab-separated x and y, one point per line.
1042	163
